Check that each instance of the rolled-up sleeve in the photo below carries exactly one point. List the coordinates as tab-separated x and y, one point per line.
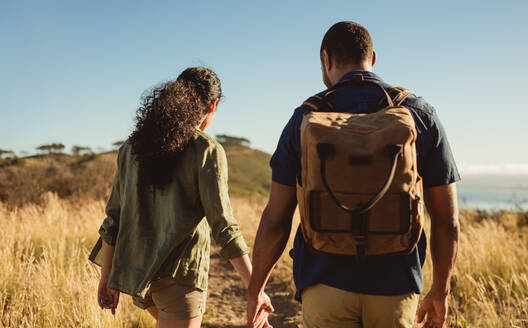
216	204
110	226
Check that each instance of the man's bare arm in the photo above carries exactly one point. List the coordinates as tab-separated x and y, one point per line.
272	236
442	206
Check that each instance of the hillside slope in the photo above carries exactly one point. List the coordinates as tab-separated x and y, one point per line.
249	171
90	176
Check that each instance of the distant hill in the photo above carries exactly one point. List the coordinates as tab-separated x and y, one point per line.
24	180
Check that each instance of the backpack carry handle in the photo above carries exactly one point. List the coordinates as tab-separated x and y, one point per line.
359	82
326	150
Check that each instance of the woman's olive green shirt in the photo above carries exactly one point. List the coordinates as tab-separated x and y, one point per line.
163	232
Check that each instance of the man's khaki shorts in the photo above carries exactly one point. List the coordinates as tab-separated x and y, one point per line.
328	307
174	301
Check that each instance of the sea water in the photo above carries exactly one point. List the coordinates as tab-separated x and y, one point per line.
493	192
493	198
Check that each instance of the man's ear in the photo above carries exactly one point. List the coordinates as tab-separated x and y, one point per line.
373	58
325	59
212	106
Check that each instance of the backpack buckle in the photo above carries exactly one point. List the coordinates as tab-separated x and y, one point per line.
359	225
361	245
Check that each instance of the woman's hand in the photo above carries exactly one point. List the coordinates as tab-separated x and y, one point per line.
106	297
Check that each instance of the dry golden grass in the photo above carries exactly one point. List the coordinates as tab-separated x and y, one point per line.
46	280
490	285
248	212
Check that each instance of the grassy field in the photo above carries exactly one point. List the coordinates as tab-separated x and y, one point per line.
46	280
52	206
490	283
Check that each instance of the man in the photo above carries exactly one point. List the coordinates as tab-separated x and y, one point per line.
335	290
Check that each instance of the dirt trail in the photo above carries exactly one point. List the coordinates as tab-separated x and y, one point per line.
226	302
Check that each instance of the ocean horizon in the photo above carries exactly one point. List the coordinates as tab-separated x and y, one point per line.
493	192
493	199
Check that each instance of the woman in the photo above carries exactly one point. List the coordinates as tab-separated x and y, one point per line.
155	241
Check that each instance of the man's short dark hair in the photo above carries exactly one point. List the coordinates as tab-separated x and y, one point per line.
348	43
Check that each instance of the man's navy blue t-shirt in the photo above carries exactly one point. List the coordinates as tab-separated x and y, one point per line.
379	275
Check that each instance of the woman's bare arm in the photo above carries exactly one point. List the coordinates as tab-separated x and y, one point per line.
107	298
243	266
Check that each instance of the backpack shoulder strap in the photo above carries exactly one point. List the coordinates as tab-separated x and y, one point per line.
319	103
398	95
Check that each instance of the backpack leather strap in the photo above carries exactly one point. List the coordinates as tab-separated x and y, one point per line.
325	150
398	96
319	103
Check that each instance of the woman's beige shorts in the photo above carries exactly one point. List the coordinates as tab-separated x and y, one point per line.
173	300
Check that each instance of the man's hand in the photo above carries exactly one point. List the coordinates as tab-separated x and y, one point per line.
434	308
106	297
259	306
272	236
441	202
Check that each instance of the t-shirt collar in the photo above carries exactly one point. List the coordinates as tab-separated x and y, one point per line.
366	75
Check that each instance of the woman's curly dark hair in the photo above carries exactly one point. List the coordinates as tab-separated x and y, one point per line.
167	119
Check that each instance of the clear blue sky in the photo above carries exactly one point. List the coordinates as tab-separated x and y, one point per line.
73	71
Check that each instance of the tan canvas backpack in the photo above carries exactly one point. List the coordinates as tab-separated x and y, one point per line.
359	191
